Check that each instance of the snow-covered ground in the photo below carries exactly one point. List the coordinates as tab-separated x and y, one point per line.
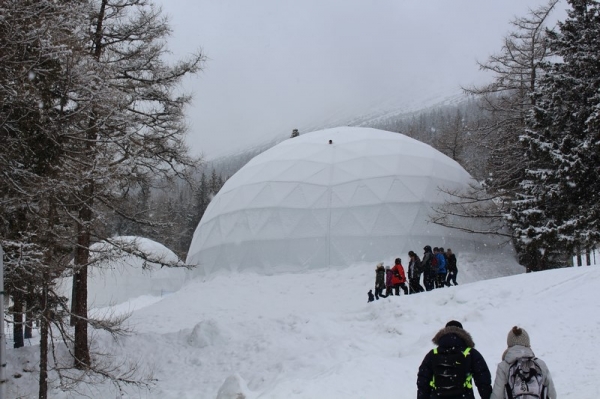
313	335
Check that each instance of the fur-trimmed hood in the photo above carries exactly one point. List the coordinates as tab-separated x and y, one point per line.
452	336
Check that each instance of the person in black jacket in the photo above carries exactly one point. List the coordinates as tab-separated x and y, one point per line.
380	281
449	370
414	274
428	273
452	268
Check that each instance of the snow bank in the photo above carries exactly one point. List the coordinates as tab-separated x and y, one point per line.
313	334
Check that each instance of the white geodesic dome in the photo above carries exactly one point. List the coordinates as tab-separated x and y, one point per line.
306	203
121	277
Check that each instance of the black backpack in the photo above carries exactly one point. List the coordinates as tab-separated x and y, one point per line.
451	372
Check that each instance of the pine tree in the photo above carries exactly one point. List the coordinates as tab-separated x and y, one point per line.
559	206
201	201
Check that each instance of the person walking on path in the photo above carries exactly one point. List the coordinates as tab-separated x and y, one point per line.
399	277
388	281
519	356
414	274
452	367
440	281
452	268
379	281
427	266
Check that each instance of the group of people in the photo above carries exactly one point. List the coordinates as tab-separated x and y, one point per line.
449	370
389	278
438	268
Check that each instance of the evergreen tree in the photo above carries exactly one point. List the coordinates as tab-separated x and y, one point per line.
215	183
201	201
560	207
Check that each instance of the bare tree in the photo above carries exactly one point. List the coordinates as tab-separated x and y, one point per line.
89	114
452	137
507	101
509	97
134	128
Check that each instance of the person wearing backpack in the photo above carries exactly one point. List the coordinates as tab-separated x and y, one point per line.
449	370
379	281
399	277
440	279
389	289
521	374
428	266
414	274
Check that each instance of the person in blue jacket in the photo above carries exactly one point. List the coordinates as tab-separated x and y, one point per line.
440	280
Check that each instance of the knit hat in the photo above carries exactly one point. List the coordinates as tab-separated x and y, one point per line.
454	323
517	336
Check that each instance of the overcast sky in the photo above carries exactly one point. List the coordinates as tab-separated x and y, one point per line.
276	65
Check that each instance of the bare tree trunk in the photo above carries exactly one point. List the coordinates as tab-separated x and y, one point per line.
44	325
578	254
73	301
30	303
588	258
82	253
18	318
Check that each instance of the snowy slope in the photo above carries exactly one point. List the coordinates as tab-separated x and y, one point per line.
313	335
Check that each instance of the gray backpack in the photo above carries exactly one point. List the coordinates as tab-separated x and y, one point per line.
525	380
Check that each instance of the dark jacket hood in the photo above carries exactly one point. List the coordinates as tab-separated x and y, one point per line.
453	336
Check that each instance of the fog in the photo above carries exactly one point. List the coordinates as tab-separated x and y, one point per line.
276	65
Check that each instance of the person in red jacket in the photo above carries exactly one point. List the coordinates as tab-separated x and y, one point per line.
399	277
